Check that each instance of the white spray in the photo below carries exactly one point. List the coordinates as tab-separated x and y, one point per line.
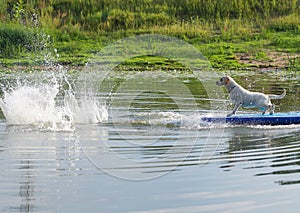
49	103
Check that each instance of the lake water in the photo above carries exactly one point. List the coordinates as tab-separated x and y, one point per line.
134	142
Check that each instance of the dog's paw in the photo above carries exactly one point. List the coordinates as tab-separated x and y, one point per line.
230	114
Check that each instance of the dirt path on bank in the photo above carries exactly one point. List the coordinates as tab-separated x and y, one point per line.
271	59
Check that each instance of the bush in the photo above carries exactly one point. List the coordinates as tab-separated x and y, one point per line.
15	39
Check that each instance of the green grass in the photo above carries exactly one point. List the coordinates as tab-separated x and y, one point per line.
78	29
112	15
151	63
220	50
286	41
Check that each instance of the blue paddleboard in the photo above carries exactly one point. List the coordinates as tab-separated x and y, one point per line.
285	118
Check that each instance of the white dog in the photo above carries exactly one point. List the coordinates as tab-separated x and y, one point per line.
242	97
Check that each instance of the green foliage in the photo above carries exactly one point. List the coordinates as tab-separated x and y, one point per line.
112	15
294	63
151	63
15	39
290	42
219	28
261	56
285	23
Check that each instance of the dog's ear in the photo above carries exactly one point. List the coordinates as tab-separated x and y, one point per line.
227	80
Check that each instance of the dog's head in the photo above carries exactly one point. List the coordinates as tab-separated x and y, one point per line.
223	81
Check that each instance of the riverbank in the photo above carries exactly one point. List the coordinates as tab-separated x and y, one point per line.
231	35
267	50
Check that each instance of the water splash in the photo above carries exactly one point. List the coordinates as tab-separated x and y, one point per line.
184	120
48	103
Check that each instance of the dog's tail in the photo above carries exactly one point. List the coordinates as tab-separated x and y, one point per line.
278	96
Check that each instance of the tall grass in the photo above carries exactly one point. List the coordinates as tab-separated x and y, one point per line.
112	15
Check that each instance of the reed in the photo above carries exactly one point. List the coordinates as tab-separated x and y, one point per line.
113	15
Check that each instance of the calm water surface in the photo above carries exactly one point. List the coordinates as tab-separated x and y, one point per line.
142	148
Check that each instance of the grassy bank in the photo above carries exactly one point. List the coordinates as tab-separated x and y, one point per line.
268	49
231	34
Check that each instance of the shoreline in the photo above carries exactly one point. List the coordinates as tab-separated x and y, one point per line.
268	50
246	61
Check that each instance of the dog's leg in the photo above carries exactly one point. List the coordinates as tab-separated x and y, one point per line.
264	112
236	107
270	108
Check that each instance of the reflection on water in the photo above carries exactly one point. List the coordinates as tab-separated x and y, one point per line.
265	151
280	157
186	165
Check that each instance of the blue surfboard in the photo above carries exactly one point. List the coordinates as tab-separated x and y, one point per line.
284	118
